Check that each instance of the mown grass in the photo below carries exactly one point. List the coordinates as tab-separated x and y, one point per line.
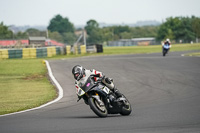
23	85
149	49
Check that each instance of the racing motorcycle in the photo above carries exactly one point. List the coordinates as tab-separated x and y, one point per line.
165	49
101	99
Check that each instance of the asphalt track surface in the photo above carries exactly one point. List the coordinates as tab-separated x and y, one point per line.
164	93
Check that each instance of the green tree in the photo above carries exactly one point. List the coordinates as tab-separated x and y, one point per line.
69	38
95	37
60	25
21	35
125	35
186	32
169	34
169	28
94	32
56	36
196	26
61	29
119	29
5	33
107	34
144	31
178	28
91	25
35	32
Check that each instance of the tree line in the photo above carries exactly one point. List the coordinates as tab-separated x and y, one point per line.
62	30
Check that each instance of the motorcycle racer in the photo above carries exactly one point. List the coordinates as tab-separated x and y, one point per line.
81	75
167	42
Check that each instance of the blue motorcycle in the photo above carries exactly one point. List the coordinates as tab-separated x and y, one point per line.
166	48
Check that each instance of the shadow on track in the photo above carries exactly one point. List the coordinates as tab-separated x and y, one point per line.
91	117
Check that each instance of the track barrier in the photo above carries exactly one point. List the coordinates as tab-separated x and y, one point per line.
28	53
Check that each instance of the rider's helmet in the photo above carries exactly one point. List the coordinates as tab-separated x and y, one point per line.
78	72
167	40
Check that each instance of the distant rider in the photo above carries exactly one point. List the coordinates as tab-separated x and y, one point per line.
167	42
81	75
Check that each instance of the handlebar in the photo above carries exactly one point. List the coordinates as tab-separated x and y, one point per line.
99	78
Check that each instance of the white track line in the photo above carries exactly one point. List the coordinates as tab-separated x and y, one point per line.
60	93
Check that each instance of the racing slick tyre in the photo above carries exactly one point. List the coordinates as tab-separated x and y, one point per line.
97	108
126	109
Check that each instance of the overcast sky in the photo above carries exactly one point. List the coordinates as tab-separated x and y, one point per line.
40	12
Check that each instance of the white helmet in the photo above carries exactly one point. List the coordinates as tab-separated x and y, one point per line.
167	40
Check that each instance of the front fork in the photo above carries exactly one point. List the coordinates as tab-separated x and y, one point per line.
97	97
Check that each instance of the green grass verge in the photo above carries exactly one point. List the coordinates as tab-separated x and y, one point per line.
23	85
149	49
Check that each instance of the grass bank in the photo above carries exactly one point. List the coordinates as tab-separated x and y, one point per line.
23	85
149	49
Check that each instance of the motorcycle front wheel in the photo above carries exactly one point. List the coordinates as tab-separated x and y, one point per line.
99	110
126	109
164	52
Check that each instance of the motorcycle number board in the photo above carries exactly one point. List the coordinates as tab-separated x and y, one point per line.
106	90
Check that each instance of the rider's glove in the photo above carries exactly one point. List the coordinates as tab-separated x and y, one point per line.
100	79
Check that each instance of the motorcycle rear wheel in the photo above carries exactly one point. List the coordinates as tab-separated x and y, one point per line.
99	110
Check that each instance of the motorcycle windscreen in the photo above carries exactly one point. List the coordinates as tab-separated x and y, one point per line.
88	85
166	46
